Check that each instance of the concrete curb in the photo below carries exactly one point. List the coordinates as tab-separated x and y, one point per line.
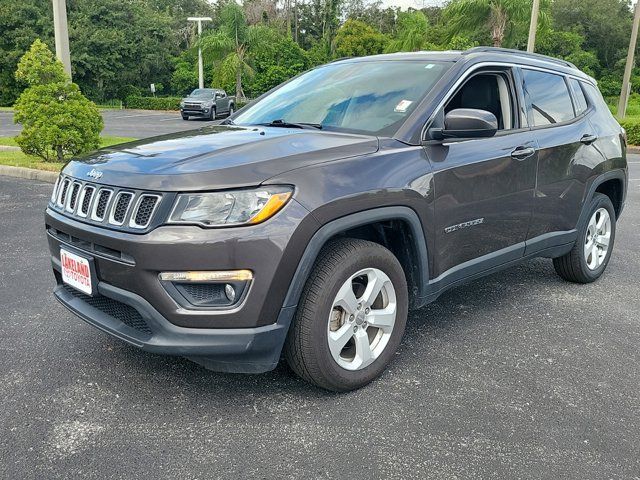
28	173
633	149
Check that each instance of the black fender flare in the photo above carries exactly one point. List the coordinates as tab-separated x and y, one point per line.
339	225
617	174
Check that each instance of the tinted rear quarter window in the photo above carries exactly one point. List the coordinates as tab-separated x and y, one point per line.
549	97
578	94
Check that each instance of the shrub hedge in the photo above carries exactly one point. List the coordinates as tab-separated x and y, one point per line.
152	103
159	103
632	126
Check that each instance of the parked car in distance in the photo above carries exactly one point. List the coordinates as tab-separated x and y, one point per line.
312	221
207	103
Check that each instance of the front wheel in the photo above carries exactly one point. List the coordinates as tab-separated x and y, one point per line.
351	316
185	117
231	110
590	255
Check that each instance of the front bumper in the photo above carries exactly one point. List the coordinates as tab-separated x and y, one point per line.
133	305
131	318
193	112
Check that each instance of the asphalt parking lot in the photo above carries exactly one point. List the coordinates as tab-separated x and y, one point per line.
124	123
519	375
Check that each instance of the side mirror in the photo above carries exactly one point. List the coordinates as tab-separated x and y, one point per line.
469	123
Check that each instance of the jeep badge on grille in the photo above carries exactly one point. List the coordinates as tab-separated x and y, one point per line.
95	174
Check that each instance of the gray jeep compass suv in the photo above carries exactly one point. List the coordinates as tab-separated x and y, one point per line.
311	221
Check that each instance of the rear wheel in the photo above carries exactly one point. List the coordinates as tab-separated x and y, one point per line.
590	255
351	316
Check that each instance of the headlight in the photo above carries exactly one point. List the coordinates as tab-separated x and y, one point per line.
220	209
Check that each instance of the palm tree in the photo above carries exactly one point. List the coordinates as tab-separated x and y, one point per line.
412	32
498	15
231	46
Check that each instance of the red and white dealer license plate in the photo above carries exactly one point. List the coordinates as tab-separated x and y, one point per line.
76	271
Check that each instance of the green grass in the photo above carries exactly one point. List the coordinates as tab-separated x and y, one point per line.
16	158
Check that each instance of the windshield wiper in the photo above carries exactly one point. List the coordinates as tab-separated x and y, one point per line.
281	123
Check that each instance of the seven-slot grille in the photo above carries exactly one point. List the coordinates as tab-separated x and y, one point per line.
107	205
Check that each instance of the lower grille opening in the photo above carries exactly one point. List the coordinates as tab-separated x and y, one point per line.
113	308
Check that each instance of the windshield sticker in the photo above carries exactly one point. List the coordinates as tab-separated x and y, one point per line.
402	106
430	65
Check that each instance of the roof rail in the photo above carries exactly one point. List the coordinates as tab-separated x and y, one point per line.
520	53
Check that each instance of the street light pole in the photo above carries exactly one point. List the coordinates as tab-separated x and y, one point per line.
200	67
624	92
61	31
533	26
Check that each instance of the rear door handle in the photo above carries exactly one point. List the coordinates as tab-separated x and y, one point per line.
521	153
588	139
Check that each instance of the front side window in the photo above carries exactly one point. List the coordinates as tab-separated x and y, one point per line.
373	97
549	98
490	92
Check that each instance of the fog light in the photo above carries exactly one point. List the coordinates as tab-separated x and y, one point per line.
215	276
230	292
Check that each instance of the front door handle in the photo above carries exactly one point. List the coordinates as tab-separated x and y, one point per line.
521	153
588	139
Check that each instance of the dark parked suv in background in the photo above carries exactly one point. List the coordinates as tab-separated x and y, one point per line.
207	103
315	218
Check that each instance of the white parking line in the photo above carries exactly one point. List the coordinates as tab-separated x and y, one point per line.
141	115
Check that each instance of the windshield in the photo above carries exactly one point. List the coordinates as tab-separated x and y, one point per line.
371	96
202	93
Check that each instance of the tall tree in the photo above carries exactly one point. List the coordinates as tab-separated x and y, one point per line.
356	38
412	32
499	15
605	25
231	46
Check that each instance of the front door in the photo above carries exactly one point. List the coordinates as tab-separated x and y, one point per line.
484	188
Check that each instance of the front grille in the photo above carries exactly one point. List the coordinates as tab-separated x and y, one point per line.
119	212
87	196
120	311
101	207
109	206
75	188
63	192
146	206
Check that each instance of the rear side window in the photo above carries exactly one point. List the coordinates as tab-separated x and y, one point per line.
549	98
578	94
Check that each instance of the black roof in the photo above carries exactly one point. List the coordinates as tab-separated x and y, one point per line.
481	53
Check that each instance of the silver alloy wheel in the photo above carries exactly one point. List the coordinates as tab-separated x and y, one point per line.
230	111
362	318
596	244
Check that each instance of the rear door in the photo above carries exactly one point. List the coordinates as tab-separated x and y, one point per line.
483	187
559	116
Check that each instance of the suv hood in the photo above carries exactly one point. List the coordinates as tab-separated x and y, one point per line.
216	157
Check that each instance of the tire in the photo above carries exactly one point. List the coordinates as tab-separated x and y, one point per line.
212	114
231	110
583	264
185	117
318	319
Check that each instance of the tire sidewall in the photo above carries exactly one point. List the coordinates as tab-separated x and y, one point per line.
597	202
373	257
